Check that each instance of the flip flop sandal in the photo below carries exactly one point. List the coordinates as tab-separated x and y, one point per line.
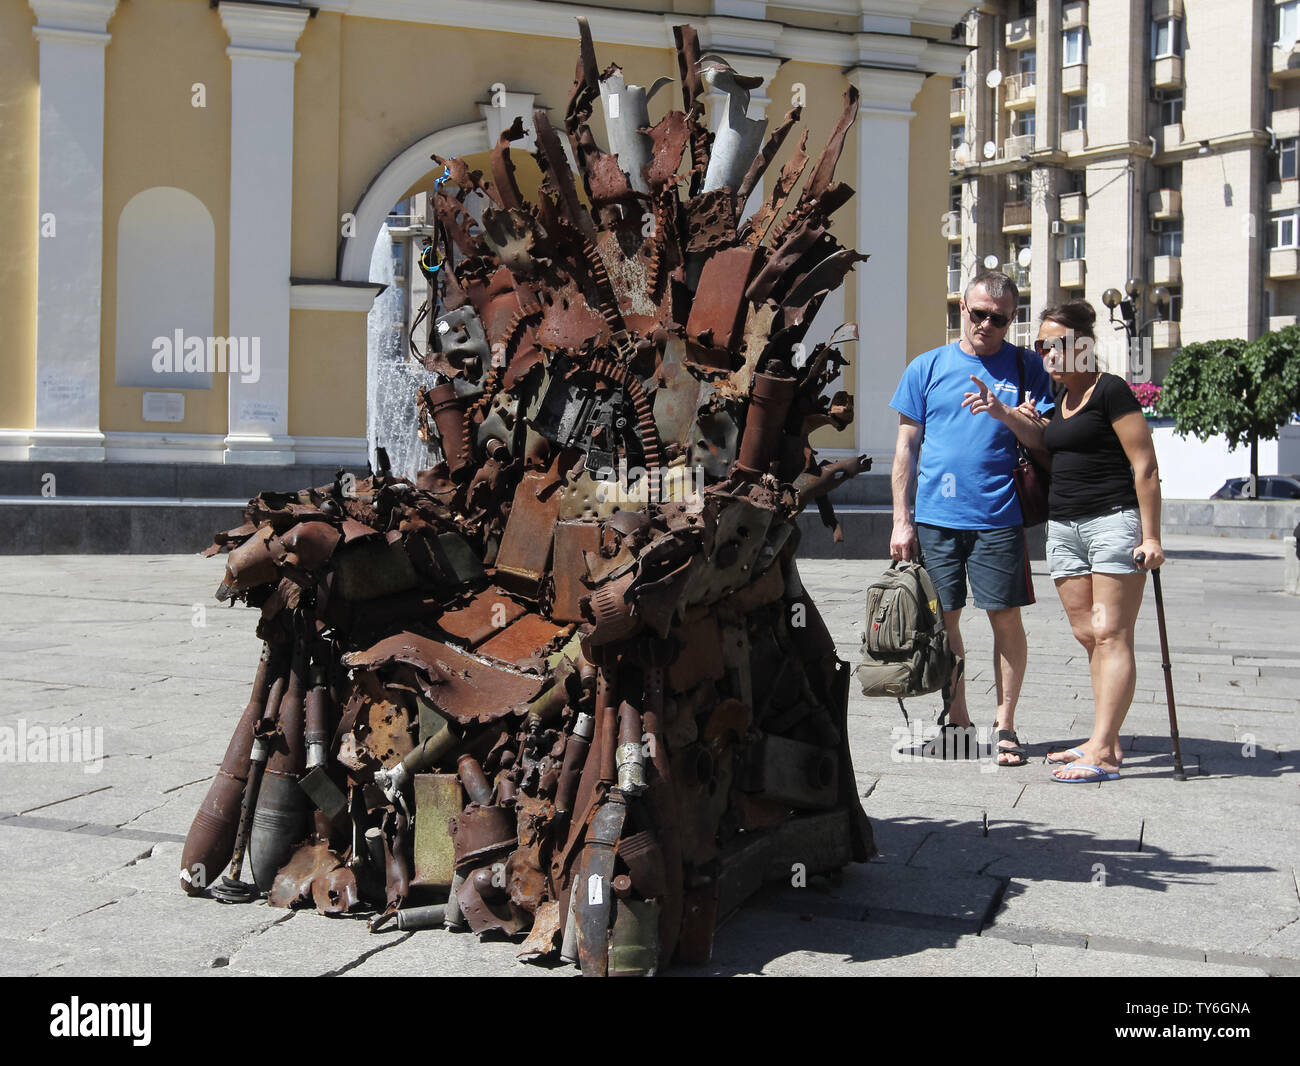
1018	751
1076	752
1096	776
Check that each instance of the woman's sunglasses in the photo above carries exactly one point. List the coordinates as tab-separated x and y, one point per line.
977	316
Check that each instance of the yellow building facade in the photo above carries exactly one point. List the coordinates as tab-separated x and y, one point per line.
192	193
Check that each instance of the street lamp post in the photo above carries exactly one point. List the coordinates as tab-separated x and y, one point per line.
1133	319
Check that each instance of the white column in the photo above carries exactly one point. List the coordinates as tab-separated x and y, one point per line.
70	252
884	111
262	56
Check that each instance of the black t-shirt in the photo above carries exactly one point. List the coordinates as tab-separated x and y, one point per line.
1091	475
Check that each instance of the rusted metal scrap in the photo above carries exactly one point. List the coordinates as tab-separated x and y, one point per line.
565	682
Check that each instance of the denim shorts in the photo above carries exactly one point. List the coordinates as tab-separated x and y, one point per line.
995	560
1102	544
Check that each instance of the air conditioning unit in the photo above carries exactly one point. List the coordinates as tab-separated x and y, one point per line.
1058	227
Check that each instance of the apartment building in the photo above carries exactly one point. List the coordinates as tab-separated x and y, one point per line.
1098	141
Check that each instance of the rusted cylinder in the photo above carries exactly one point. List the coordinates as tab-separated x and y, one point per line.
631	763
211	838
449	418
663	804
606	715
475	780
280	821
422	917
319	715
453	918
397	876
768	406
375	848
575	755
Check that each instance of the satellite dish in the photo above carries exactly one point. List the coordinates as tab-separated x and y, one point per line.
962	153
990	149
993	78
1024	257
990	262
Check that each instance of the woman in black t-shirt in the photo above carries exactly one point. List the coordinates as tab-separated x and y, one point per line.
1104	511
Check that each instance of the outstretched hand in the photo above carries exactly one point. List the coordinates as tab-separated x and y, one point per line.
984	401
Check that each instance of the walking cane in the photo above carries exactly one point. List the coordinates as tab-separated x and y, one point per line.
1179	773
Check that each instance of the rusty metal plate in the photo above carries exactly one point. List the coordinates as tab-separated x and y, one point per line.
572	538
459	686
522	639
526	545
488	612
438	800
293	884
719	307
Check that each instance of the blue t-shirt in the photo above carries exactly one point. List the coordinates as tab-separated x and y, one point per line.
964	476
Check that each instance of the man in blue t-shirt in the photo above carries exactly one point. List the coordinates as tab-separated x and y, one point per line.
954	497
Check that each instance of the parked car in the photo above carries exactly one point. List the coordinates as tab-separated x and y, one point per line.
1271	487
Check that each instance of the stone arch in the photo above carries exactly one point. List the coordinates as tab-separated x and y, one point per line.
400	173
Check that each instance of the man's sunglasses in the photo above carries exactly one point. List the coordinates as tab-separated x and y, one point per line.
977	316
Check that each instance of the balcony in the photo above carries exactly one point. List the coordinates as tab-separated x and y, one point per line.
1277	322
1020	33
1022	333
1074	14
1165	203
1166	270
1164	335
1285	64
1015	147
1071	206
1017	217
1284	263
956	104
1167	72
954	335
1074	79
1072	273
1020	91
954	282
1169	138
1074	140
1286	123
952	225
1018	274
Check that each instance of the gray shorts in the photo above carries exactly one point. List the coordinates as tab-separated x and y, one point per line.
1102	544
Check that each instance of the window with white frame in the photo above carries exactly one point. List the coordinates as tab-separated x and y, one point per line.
1072	245
1286	157
1175	310
954	198
1076	112
1024	125
1282	229
1026	66
1169	241
1074	46
1166	38
1288	24
958	137
1170	103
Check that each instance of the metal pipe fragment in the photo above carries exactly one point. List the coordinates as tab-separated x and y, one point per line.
631	763
430	917
575	756
475	780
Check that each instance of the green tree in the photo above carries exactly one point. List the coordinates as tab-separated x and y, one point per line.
1242	391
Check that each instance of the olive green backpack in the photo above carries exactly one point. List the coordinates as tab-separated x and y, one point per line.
905	649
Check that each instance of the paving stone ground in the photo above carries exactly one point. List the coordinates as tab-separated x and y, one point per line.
982	870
